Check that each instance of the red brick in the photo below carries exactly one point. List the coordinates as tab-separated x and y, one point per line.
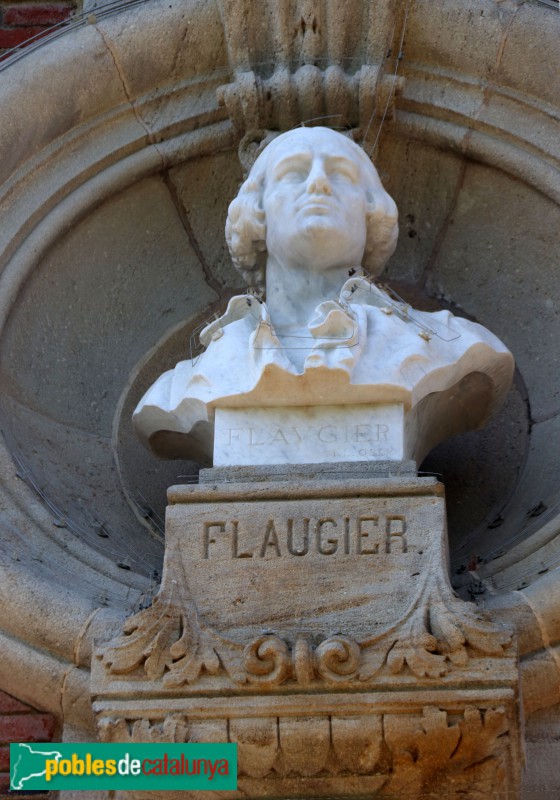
4	781
26	728
11	37
5	758
31	14
9	705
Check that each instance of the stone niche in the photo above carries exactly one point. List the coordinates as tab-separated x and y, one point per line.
115	191
316	617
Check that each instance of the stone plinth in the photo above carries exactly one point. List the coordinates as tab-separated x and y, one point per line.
312	622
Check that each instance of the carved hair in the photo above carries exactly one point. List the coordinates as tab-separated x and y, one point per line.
246	221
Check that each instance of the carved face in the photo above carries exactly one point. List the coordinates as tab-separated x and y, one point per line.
315	200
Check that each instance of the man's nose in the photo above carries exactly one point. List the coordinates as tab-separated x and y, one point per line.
318	181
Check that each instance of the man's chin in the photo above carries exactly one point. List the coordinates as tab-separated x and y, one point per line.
316	226
321	243
332	232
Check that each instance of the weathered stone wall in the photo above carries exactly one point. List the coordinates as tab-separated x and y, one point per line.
20	723
21	20
542	743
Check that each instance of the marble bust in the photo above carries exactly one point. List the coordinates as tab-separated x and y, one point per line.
330	354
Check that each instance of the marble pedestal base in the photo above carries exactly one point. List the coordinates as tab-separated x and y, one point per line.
312	622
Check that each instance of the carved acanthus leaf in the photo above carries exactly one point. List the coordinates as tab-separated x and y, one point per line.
190	663
436	632
434	636
429	752
146	639
457	624
479	734
419	656
167	640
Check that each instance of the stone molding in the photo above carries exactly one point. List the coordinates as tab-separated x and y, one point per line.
426	701
398	748
172	642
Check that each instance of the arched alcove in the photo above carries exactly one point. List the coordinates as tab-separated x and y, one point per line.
113	197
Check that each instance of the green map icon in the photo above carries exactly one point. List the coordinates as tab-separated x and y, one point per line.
27	765
84	766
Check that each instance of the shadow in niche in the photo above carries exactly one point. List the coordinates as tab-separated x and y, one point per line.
144	477
480	470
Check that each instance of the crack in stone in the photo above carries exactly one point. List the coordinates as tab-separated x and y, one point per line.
149	134
212	282
538	418
62	693
505	37
440	238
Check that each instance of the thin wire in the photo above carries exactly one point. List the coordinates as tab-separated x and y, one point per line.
152	514
58	565
395	469
390	95
374	112
78	530
394	302
342	117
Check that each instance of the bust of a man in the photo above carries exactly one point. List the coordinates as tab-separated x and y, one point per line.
312	225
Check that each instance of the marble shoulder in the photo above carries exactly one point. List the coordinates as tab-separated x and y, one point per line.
163	394
445	326
241	307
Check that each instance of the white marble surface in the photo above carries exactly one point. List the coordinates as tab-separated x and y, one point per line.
313	207
308	435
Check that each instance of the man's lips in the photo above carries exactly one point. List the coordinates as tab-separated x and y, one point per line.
321	206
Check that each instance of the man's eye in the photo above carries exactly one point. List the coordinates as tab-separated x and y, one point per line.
343	174
293	175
